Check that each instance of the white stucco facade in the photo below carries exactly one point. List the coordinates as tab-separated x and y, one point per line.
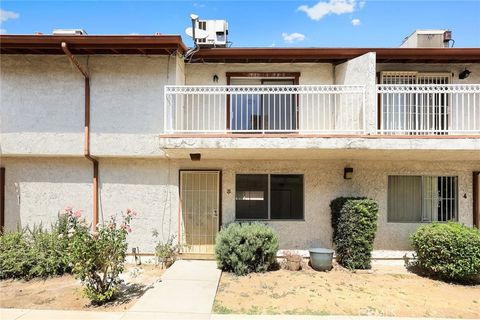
42	136
38	188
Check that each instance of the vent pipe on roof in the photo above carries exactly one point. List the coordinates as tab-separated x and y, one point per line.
188	56
69	32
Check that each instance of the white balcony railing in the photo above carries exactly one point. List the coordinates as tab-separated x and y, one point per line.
424	109
329	109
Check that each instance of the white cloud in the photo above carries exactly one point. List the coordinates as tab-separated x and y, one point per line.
356	22
3	31
7	15
321	9
293	37
198	5
272	45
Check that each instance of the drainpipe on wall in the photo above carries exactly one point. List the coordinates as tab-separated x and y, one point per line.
86	147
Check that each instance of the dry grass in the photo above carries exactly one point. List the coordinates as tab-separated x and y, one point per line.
65	293
386	291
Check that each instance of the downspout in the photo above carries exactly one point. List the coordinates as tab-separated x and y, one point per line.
86	146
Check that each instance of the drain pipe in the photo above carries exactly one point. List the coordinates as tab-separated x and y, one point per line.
86	146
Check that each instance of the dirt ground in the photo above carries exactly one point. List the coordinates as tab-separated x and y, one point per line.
64	293
384	291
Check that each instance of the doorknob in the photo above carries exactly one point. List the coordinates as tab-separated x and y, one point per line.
215	212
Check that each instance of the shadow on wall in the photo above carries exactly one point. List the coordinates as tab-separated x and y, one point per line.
38	189
150	187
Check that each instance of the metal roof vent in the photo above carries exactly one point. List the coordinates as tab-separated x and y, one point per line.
69	32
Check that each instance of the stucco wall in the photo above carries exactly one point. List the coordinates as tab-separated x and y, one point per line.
42	104
360	71
38	188
311	73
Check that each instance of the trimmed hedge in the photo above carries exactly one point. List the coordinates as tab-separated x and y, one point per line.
355	233
450	251
245	248
335	208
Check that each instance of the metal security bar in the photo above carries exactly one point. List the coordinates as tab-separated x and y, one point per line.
429	109
440	198
332	109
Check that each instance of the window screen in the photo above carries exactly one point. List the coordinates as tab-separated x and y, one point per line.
422	198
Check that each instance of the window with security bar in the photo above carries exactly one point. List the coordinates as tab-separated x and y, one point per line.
414	103
422	198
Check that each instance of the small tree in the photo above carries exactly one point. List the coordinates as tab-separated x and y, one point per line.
98	259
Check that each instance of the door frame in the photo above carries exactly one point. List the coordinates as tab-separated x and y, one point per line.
220	203
476	199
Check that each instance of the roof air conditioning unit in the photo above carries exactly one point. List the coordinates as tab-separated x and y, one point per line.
428	39
69	32
216	33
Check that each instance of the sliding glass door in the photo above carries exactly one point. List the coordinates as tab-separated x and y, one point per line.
263	112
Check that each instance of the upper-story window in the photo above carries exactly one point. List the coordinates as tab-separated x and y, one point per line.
422	198
260	112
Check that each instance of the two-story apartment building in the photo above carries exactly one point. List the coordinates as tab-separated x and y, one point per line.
103	123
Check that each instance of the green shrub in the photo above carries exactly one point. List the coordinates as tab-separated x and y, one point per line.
245	248
38	252
50	252
356	230
16	258
336	206
165	251
98	258
449	251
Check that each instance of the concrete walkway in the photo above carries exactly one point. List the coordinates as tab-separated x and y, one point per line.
20	314
187	287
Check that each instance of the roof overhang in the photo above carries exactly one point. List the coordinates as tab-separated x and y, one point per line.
111	44
338	55
167	44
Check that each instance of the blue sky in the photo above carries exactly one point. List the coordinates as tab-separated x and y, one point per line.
325	23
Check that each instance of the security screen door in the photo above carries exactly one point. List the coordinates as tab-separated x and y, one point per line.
199	219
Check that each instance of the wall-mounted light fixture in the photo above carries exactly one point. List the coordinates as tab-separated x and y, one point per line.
195	156
215	78
464	74
347	173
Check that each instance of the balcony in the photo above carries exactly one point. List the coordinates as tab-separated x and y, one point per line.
403	109
305	109
429	109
